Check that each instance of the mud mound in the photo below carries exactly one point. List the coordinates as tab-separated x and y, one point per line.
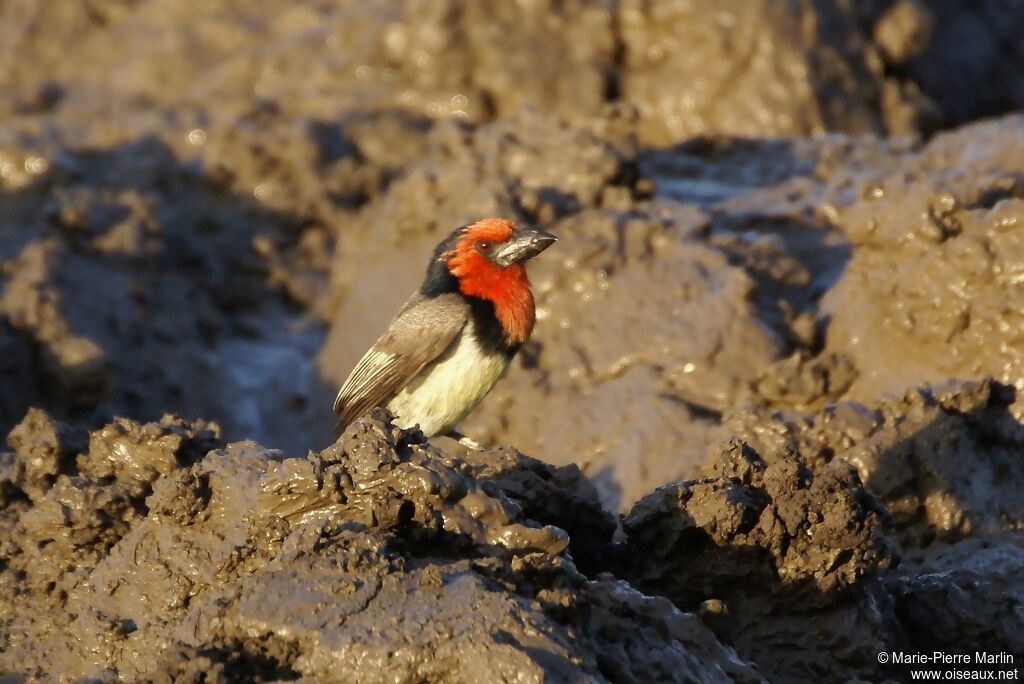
560	496
946	463
930	291
810	542
378	559
945	460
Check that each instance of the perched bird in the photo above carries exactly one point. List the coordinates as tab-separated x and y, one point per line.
455	336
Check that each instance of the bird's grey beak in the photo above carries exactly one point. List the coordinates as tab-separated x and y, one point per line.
525	244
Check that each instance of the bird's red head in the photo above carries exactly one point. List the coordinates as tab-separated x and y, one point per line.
488	259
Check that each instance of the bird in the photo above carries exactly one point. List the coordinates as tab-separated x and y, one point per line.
455	336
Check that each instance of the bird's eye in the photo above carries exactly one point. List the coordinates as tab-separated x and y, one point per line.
484	246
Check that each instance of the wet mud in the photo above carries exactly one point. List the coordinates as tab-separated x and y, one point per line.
377	559
813	543
769	423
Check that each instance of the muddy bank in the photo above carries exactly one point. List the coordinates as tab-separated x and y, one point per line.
190	239
210	209
383	558
782	561
673	68
378	559
731	279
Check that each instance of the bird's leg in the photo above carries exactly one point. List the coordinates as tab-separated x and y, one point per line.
464	440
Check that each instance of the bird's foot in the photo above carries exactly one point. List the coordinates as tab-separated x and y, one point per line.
465	441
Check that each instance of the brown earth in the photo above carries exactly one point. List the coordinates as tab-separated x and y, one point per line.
789	264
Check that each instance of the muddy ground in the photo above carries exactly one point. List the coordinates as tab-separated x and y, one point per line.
769	424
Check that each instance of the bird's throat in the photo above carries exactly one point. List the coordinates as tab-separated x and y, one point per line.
508	289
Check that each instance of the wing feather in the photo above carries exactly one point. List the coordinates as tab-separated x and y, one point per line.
422	331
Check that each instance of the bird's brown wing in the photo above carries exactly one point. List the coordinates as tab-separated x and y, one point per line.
420	333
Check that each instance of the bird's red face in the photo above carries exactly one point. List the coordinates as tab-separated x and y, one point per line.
488	261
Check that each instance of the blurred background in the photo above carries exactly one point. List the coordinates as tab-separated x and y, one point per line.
212	208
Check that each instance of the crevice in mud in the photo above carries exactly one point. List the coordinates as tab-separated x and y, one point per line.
611	90
799	269
705	169
1008	188
697	411
265	658
488	106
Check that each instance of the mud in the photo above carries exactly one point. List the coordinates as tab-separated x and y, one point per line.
947	235
966	593
944	460
675	68
812	543
378	559
786	288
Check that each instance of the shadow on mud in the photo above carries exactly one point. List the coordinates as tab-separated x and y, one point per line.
139	284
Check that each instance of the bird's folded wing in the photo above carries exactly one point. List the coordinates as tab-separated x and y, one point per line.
422	332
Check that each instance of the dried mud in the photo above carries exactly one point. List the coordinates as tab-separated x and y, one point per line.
781	334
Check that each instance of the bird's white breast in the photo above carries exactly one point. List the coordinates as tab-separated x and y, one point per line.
446	390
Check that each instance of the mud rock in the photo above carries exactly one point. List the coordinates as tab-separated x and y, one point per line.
74	499
378	559
43	449
136	456
944	460
812	543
